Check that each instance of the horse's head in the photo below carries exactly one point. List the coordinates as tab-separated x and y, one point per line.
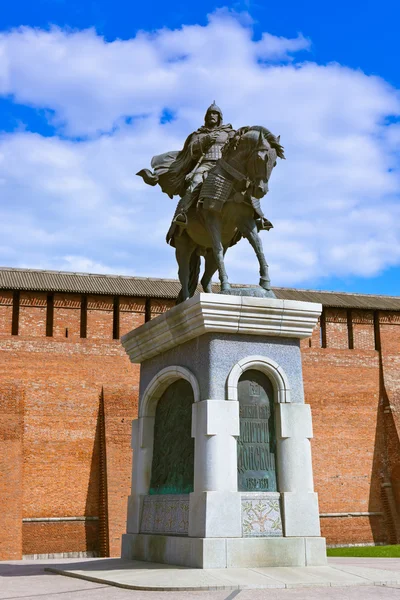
257	149
262	159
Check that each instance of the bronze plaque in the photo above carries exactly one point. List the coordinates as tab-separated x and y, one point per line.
256	444
173	451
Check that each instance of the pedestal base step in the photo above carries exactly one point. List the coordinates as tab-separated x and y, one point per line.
223	553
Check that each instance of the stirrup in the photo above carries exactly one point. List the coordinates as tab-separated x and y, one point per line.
181	220
264	224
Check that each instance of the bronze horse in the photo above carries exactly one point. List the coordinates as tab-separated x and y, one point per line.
226	210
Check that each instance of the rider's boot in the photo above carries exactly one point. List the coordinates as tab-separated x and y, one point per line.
180	217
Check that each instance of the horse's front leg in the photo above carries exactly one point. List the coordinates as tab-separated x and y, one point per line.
183	253
249	230
213	223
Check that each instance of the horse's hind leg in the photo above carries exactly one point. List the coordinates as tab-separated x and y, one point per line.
213	224
210	267
249	230
184	248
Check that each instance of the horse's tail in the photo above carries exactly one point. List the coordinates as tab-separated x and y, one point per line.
194	274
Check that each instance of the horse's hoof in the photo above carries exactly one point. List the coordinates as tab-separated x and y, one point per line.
206	288
265	283
225	287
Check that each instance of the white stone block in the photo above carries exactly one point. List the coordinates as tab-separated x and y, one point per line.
265	552
294	465
221	553
215	417
294	420
300	514
146	431
134	513
316	552
175	550
135	434
213	553
126	545
215	464
214	425
215	514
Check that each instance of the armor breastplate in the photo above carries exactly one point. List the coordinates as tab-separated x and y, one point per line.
214	152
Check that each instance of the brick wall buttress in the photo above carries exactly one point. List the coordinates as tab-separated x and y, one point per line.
11	473
120	408
389	330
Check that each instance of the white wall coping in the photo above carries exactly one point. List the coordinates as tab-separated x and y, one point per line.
207	313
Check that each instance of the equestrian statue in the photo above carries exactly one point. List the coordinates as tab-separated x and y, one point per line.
220	176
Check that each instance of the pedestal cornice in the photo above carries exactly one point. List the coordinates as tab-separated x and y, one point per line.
205	313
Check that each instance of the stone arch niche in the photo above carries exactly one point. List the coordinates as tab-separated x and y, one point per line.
256	444
276	387
163	447
172	469
272	370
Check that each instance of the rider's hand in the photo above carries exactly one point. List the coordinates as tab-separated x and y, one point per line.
214	135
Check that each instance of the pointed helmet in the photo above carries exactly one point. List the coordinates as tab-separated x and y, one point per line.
214	108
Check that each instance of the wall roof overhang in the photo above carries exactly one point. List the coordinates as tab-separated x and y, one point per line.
151	287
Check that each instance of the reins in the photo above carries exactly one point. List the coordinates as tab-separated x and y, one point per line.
231	170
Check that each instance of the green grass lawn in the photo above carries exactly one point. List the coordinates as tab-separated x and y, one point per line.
367	551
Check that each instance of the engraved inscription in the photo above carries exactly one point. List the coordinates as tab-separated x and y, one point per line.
256	443
172	469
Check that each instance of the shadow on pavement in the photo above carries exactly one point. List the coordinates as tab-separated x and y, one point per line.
18	568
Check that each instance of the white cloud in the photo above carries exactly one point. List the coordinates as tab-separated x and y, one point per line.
271	47
78	204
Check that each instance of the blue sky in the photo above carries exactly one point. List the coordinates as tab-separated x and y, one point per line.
84	90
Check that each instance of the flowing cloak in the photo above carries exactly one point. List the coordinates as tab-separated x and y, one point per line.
172	167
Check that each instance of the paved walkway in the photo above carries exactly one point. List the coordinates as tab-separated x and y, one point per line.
138	575
343	579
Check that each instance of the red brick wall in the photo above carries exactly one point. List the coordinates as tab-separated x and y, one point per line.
349	447
118	402
62	379
160	306
336	328
67	316
32	314
11	431
6	300
59	537
132	314
363	329
352	530
58	384
100	317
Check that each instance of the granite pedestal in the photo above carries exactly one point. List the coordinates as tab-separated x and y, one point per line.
212	342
